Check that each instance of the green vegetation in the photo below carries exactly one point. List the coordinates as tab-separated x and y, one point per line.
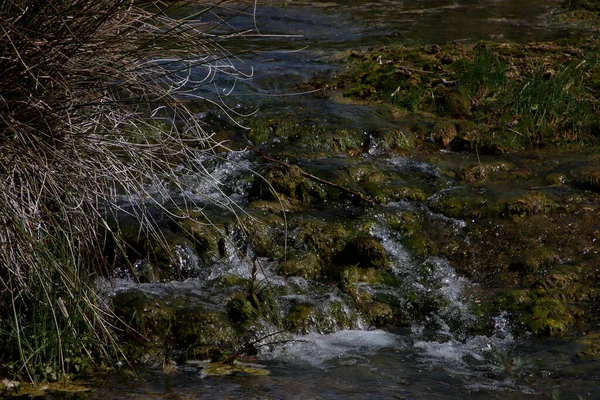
514	95
85	88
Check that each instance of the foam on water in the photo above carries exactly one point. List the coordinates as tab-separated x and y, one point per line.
342	346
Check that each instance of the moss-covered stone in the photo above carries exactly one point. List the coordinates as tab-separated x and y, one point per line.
290	181
307	267
326	317
444	133
530	204
483	171
203	335
324	238
157	330
534	260
589	178
365	252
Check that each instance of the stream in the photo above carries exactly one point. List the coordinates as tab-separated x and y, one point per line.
337	354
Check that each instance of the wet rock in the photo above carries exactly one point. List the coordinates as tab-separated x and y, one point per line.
394	141
484	171
453	104
287	180
307	267
324	238
328	316
535	260
465	202
377	313
382	194
365	252
589	178
203	335
265	235
556	179
444	133
159	330
530	204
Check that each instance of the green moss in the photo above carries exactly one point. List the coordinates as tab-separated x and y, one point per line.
516	94
327	317
378	314
308	266
203	335
534	260
549	316
157	330
324	238
443	133
465	202
287	180
298	318
365	252
530	204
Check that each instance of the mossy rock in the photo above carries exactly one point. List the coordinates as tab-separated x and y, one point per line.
266	239
298	319
377	313
177	251
324	238
202	335
535	260
382	194
589	178
287	180
464	203
147	327
467	136
365	252
143	315
230	368
443	133
482	172
326	317
453	103
395	141
557	179
530	204
591	352
591	341
307	267
365	172
206	237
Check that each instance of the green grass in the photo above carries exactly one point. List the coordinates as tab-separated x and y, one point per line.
517	95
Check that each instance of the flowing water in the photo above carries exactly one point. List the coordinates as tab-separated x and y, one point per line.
344	358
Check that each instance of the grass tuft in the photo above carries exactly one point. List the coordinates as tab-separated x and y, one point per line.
94	123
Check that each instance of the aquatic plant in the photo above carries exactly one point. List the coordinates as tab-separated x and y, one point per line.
94	124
